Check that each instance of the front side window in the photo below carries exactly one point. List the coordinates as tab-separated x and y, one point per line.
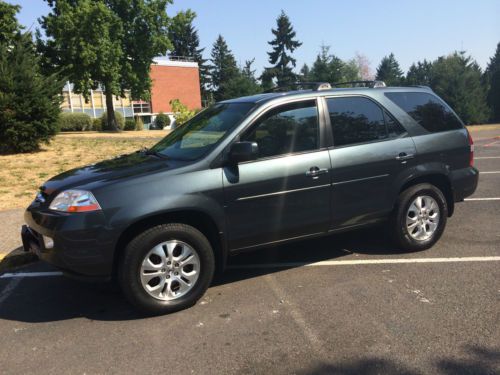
355	120
426	109
200	134
286	129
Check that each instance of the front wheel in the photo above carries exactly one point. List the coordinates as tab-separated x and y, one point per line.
166	268
420	217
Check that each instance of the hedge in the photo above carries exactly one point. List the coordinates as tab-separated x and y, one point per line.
74	121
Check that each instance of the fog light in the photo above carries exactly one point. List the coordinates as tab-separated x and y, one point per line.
48	242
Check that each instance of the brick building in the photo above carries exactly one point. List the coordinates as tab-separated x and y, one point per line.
171	79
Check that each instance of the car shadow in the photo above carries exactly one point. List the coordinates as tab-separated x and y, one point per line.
58	298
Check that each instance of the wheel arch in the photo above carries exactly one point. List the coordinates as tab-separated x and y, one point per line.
195	218
440	180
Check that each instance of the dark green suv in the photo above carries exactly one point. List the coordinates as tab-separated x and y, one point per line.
253	172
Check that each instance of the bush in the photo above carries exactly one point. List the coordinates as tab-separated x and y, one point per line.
74	122
139	124
129	124
161	121
181	112
120	120
29	100
96	124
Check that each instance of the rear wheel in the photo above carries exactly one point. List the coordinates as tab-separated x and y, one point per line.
166	268
420	217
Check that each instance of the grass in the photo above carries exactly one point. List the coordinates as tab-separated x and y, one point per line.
22	174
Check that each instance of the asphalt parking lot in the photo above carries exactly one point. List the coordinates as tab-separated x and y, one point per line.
346	304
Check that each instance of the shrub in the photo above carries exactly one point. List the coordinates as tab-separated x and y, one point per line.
74	122
139	124
181	112
120	120
161	121
129	124
29	100
96	124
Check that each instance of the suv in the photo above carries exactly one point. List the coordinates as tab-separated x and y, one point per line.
252	172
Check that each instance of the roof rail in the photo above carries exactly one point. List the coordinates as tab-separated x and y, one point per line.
371	84
421	87
315	86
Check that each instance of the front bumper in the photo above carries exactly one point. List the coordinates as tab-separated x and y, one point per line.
83	245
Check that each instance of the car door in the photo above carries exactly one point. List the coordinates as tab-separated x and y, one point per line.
284	193
370	149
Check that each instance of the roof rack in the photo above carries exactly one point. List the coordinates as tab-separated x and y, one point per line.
371	84
315	86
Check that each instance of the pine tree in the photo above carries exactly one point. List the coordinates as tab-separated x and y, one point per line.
244	83
283	45
223	68
186	43
492	76
304	75
330	68
9	27
420	74
389	71
457	79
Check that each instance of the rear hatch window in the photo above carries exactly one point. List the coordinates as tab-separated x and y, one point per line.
427	109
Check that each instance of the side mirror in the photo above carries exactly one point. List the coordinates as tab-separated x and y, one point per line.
243	151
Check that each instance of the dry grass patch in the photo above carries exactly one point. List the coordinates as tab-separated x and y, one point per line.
22	174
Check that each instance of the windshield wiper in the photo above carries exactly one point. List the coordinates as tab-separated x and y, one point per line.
148	151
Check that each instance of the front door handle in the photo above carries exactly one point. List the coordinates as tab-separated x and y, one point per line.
315	171
404	156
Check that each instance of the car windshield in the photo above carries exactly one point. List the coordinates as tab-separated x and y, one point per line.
199	135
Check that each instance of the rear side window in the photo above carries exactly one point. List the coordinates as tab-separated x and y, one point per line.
426	109
356	120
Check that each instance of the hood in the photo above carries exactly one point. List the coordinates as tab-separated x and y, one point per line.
121	167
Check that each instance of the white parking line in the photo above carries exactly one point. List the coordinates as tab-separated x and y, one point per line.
367	261
486	157
481	199
489	172
30	274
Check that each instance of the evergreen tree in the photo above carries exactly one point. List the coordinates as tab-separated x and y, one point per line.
420	74
492	76
457	79
186	43
389	71
304	75
244	83
330	68
106	43
9	27
223	69
283	45
29	101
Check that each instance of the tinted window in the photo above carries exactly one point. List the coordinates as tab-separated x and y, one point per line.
426	109
355	120
394	128
286	129
200	134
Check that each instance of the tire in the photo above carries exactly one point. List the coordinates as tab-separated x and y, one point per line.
149	282
415	237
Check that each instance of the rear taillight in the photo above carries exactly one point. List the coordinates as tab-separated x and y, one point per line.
471	146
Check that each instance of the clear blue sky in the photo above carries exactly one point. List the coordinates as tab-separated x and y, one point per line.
412	30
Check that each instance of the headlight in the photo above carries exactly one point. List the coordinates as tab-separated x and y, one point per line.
75	201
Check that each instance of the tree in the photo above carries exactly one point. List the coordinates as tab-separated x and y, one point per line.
9	27
492	76
244	83
283	45
457	79
223	69
330	68
305	72
389	71
107	43
29	101
186	43
420	74
364	67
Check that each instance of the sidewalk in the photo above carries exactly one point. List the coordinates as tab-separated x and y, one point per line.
11	252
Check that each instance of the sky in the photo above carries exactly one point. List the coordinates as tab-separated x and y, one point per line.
412	30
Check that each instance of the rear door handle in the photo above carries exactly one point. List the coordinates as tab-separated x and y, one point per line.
404	156
315	171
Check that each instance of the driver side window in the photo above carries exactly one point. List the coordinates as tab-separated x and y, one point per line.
286	129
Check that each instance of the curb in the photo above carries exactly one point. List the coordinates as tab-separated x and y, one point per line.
16	258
